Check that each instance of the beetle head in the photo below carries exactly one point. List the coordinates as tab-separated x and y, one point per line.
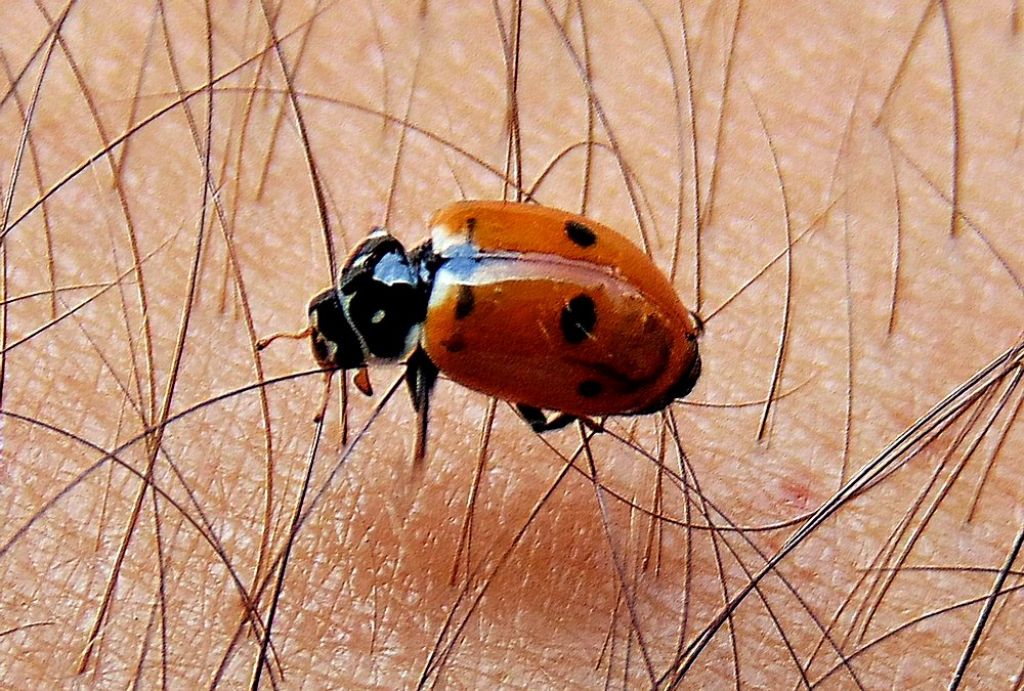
376	311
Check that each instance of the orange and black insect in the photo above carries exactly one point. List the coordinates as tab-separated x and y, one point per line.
549	310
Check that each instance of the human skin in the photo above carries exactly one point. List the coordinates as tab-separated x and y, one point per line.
809	133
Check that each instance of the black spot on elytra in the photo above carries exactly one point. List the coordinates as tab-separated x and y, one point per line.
580	234
465	302
454	344
578	319
589	388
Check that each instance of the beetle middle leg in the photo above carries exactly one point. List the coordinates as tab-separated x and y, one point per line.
540	422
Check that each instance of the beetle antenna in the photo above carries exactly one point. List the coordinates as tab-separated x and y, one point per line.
289	335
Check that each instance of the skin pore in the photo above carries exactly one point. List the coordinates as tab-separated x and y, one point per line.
200	233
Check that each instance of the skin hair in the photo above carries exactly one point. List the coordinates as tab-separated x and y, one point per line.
895	166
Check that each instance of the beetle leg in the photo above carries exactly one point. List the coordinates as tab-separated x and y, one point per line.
420	376
325	398
362	381
539	422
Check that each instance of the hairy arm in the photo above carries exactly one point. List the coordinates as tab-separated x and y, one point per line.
850	233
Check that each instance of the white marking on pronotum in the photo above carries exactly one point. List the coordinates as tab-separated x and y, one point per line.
393	268
443	237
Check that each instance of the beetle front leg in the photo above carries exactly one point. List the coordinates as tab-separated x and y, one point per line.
420	376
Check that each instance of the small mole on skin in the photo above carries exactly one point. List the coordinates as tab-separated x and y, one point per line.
796	494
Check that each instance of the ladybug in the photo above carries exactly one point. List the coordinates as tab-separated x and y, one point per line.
540	307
